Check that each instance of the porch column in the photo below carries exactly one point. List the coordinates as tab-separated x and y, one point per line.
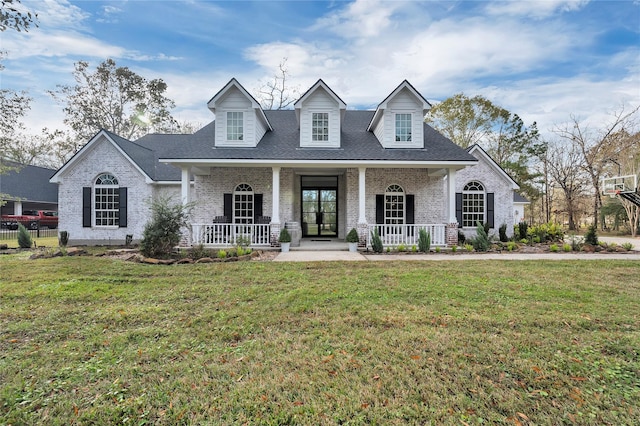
275	213
362	217
184	186
17	208
452	225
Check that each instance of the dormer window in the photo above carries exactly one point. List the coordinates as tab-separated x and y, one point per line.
403	127
235	126
320	126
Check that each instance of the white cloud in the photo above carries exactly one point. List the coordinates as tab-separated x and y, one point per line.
536	9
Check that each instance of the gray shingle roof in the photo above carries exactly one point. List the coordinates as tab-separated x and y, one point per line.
283	143
29	183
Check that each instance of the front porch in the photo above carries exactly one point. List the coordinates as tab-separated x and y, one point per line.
261	235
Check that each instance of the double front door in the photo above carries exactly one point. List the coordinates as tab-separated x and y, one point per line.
320	208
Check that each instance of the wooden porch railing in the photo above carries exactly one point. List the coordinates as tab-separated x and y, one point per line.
228	234
407	235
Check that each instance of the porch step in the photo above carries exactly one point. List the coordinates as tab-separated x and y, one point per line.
321	244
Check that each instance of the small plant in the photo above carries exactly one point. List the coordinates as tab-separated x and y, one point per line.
414	249
612	246
627	246
240	251
198	252
388	249
232	252
424	240
128	239
376	241
511	245
285	236
462	238
468	247
591	236
522	230
524	241
243	241
566	247
63	239
222	254
502	232
454	249
554	248
576	242
402	248
438	249
352	236
24	238
481	241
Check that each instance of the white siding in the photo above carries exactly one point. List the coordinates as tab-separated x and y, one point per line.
320	101
403	103
234	100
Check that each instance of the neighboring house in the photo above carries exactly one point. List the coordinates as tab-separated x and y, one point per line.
519	202
26	187
319	169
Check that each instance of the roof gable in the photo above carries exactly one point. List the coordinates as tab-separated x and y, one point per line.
475	148
384	105
319	85
234	84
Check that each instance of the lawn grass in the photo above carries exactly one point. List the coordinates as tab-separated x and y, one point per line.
100	341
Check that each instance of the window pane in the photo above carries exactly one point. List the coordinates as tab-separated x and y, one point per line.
403	127
234	126
320	126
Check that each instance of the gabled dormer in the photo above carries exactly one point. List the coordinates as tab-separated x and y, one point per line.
240	121
399	120
320	113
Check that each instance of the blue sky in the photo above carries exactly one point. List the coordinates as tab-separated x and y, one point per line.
545	60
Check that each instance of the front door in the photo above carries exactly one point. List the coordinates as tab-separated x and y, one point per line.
319	206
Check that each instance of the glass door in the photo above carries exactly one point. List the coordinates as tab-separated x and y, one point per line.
320	212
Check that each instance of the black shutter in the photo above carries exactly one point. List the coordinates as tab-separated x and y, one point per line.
490	210
122	201
410	209
257	207
228	206
379	208
459	208
86	207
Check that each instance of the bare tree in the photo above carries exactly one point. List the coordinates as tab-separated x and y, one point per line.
276	92
598	146
565	171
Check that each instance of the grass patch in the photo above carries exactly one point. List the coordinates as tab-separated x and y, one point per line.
94	340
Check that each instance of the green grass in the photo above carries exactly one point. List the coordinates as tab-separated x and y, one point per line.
99	341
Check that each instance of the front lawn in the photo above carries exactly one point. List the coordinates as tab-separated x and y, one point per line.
99	341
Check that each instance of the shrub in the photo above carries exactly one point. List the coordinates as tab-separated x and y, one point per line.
567	247
454	249
627	246
414	248
576	242
438	249
376	241
222	254
424	240
462	238
591	237
554	248
240	251
402	248
468	247
243	242
481	241
162	233
502	232
352	236
285	236
63	239
511	245
388	249
522	230
198	252
24	238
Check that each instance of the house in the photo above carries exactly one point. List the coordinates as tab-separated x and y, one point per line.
319	169
26	187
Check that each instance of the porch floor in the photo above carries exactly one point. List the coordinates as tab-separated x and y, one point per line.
321	244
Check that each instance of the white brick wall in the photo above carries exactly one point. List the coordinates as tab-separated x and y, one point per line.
492	182
102	157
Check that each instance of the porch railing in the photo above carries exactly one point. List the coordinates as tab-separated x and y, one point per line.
228	234
407	235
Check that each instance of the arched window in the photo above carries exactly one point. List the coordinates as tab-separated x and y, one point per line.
106	207
243	204
394	205
473	205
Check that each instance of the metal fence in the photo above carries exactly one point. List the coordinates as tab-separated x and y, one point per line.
11	234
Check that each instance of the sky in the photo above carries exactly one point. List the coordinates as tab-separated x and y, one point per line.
545	60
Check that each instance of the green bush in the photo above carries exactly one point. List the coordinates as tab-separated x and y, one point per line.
522	230
481	241
402	248
376	241
566	247
285	236
468	247
454	249
162	233
352	236
591	237
554	248
462	238
222	254
63	239
24	238
424	240
502	232
438	249
627	246
511	246
198	252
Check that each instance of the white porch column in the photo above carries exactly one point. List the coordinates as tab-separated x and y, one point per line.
17	208
362	217
275	213
451	190
185	186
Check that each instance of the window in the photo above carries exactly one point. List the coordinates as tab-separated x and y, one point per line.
320	126
403	127
473	205
106	201
394	204
234	126
243	204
